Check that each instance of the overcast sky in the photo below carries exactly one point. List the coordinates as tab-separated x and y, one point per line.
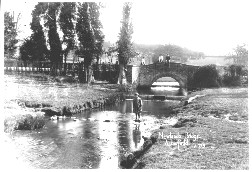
214	27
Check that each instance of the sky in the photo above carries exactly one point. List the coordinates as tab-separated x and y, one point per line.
214	27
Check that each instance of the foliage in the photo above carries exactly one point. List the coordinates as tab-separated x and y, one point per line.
48	12
145	48
127	88
38	50
85	35
66	18
87	29
232	81
89	33
34	48
234	75
10	34
54	40
96	27
26	50
37	14
111	49
24	122
240	55
176	52
207	77
125	46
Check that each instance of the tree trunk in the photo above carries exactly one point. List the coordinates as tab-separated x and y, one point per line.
52	70
89	74
65	64
122	75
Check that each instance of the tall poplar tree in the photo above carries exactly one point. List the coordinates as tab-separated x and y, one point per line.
125	47
66	22
89	33
54	39
96	27
38	51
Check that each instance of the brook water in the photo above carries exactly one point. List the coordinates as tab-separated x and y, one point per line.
94	139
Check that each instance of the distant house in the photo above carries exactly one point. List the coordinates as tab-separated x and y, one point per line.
72	57
108	59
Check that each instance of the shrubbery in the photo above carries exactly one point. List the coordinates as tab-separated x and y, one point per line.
24	122
207	77
128	88
232	80
235	75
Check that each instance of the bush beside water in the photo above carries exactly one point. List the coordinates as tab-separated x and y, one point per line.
235	75
209	77
24	122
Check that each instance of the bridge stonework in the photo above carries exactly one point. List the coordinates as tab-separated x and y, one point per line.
146	75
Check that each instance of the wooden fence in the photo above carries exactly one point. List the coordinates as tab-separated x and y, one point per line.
100	71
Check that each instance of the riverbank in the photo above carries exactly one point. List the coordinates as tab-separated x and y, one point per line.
28	99
211	132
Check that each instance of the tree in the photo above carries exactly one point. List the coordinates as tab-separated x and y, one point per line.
34	48
176	52
10	35
49	13
38	40
85	37
88	30
54	40
207	77
89	33
125	46
26	50
235	75
66	22
240	55
96	27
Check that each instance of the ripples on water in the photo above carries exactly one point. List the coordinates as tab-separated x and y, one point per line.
88	141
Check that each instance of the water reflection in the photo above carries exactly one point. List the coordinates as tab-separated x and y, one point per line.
89	141
108	139
167	91
136	135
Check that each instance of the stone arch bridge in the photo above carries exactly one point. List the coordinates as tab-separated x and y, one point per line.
146	75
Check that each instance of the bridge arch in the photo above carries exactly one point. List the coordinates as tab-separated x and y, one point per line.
180	79
146	75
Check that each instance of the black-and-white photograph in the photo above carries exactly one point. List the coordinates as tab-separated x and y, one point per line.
125	85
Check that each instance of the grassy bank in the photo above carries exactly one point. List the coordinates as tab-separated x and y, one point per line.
27	100
212	132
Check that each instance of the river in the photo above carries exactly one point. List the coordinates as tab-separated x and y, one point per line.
93	139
